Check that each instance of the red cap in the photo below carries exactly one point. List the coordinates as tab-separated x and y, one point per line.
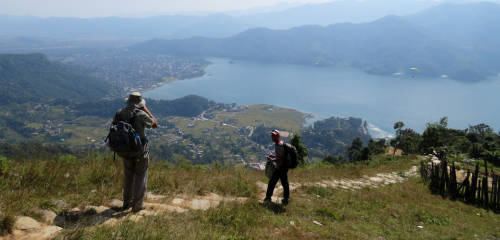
275	133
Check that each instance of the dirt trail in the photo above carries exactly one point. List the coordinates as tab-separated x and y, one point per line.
379	180
28	228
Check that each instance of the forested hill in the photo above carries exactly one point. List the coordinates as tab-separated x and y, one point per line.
33	77
389	45
333	135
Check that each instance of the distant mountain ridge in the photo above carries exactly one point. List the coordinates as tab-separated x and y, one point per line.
388	45
212	25
33	77
339	11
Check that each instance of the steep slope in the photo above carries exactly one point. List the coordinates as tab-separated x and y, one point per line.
33	78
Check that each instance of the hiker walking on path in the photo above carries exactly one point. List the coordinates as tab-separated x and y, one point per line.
135	160
281	172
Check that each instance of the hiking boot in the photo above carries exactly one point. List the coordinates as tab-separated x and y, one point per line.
136	210
284	202
124	208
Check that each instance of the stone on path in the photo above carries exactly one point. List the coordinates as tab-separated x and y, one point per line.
200	204
26	223
27	228
154	197
177	201
46	232
115	203
60	203
48	216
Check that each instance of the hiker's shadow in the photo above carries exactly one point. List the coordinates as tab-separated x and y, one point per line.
85	218
274	207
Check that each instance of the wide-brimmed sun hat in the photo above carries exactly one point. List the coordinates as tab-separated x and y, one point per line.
135	99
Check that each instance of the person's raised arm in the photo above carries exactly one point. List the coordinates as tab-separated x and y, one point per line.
155	122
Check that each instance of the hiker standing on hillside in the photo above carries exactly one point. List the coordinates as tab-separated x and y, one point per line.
281	172
136	167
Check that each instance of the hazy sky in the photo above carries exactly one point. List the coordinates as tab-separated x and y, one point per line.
99	8
141	8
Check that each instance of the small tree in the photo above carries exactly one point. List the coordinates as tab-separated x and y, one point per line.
354	151
397	126
377	147
302	151
436	135
409	140
443	122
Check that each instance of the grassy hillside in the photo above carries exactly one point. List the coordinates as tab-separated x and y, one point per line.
387	212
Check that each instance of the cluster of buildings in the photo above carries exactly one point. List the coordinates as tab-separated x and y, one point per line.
138	72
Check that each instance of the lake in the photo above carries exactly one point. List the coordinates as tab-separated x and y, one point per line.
344	92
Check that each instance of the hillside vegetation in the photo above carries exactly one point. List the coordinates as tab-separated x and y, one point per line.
33	78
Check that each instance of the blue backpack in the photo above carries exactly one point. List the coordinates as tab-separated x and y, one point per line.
123	139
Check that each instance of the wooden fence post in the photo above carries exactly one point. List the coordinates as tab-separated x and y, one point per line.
466	186
485	185
453	182
444	177
479	192
474	184
498	193
493	199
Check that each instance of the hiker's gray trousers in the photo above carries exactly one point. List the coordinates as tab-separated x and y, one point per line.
136	179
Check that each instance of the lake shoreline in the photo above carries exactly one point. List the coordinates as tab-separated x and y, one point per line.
341	91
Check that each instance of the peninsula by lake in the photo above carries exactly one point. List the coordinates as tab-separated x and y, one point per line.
344	92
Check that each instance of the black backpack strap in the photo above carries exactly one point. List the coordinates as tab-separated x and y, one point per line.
116	118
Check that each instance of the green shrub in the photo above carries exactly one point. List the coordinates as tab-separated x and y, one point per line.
7	225
4	166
